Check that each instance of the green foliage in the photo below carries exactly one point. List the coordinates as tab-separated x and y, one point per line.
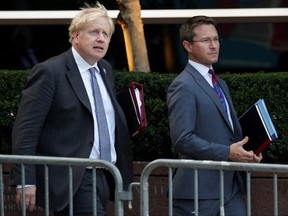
154	142
245	89
11	84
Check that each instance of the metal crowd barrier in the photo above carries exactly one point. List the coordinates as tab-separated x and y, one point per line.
120	195
211	165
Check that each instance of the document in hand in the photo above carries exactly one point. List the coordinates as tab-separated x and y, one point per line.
258	126
131	99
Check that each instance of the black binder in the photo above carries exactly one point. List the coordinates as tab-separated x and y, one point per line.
131	99
257	125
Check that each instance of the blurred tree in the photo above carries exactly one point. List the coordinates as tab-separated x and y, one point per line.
131	23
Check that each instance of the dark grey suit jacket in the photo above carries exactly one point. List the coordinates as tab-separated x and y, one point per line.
55	119
200	130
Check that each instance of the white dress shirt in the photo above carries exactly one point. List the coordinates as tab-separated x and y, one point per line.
84	67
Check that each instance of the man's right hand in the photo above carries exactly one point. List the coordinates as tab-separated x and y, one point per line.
239	154
30	195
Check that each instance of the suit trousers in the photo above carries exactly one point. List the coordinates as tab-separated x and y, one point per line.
233	205
83	198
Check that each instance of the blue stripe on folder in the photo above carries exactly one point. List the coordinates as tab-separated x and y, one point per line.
267	119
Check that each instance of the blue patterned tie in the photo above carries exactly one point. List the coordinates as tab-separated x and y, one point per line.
103	132
218	89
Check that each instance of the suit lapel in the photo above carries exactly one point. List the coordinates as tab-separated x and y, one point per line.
200	80
104	75
75	79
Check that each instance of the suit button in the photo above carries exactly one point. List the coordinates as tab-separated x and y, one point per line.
90	143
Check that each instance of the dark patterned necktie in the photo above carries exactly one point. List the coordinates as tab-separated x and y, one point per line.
218	89
103	131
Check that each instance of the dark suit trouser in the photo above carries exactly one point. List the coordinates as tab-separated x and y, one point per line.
83	198
233	205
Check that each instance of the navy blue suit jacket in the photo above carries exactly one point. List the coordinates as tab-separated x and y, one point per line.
55	119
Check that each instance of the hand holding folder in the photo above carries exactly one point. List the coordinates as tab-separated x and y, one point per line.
258	126
131	99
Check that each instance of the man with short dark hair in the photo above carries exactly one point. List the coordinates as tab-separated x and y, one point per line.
204	125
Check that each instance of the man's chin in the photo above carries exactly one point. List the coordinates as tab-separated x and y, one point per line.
99	56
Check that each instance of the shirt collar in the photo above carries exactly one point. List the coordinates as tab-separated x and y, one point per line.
83	66
203	70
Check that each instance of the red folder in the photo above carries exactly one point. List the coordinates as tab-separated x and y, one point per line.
131	99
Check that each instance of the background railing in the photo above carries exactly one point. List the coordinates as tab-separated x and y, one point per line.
173	16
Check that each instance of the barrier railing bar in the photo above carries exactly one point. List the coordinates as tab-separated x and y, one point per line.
1	191
94	184
46	176
222	211
23	189
248	182
275	177
144	198
207	164
130	189
196	204
170	192
70	191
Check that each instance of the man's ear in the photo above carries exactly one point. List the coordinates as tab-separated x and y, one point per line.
187	46
75	35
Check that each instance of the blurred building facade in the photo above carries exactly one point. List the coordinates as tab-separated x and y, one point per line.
247	47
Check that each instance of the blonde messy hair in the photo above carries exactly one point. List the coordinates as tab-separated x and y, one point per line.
88	13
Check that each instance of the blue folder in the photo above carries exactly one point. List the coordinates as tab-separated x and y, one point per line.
267	119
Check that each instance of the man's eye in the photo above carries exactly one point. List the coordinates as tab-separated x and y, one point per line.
105	35
93	33
206	40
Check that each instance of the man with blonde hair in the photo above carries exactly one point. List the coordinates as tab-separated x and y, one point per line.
59	115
